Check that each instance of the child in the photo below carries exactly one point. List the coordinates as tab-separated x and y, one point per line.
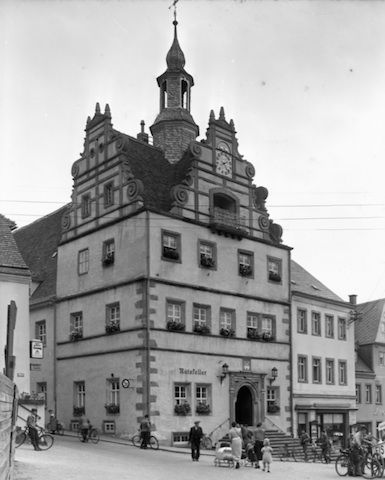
267	457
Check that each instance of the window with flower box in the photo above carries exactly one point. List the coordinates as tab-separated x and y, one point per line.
245	264
83	261
108	256
76	326
207	255
202	318
253	326
227	322
202	399
175	315
272	400
113	318
171	246
301	320
274	269
182	399
329	326
261	326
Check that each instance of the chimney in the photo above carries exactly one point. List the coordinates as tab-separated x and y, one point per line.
353	299
143	137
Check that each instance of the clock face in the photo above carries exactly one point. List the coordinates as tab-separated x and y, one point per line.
224	164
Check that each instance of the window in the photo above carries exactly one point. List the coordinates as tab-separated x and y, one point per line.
341	329
329	326
245	264
302	321
261	326
342	369
202	318
202	399
175	311
109	427
207	254
368	394
316	370
86	205
271	396
182	398
358	393
252	321
76	326
83	261
315	323
382	327
108	194
274	267
41	332
378	394
267	326
171	246
108	257
381	358
113	395
329	371
79	394
113	317
227	322
302	368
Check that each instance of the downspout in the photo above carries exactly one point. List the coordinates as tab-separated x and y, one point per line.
54	357
291	349
147	314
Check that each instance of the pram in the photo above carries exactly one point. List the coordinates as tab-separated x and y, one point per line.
223	455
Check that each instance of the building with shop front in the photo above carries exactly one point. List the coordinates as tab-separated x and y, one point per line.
323	358
370	367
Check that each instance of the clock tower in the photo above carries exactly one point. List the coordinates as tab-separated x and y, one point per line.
174	127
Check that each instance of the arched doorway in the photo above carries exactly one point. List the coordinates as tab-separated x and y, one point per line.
244	406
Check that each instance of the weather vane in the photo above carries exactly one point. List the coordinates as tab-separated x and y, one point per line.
174	5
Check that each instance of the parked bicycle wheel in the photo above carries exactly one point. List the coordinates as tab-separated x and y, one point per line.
20	439
154	444
94	435
45	441
342	465
370	467
207	443
136	440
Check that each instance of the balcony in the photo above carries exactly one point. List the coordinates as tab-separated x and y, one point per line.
228	223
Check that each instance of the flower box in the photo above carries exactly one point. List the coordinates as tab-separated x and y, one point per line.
272	409
175	326
182	409
207	261
245	270
227	332
202	329
108	259
203	409
76	334
169	252
79	411
253	334
274	277
267	337
112	408
112	327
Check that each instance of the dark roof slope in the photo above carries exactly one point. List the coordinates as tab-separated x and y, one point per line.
38	243
367	327
11	262
303	282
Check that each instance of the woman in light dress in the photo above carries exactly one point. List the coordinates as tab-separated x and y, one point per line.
235	434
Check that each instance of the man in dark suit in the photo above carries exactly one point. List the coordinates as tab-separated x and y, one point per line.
195	436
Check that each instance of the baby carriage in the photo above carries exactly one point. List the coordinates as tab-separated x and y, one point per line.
223	455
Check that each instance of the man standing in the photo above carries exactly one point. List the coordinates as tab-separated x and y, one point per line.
259	436
145	429
32	429
195	436
305	440
356	449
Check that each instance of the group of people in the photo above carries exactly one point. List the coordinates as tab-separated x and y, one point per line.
322	441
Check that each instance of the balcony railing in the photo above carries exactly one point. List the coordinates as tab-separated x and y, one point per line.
228	222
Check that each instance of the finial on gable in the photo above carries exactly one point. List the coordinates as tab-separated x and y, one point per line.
97	108
107	111
222	114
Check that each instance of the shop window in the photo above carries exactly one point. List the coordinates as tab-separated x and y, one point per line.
41	331
245	264
316	367
302	368
301	320
83	261
171	246
315	323
207	254
329	326
108	255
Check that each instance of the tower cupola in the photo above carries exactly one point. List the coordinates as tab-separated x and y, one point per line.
174	127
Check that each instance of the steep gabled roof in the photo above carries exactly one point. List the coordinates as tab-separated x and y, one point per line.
38	244
370	313
11	262
303	282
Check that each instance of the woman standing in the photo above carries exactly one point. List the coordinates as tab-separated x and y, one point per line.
235	434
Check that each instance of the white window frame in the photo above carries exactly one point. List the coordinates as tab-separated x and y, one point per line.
302	369
342	372
80	394
341	328
83	261
316	324
113	391
316	370
302	320
329	326
41	331
378	394
329	371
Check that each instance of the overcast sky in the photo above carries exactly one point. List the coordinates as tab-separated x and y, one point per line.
304	82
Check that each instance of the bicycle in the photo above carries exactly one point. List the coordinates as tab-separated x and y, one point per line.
92	434
286	454
153	441
59	428
45	439
316	455
369	466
